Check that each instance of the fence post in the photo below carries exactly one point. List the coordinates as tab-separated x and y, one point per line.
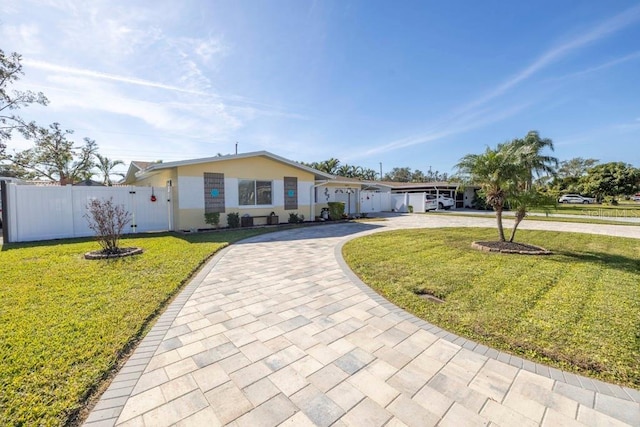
132	198
5	212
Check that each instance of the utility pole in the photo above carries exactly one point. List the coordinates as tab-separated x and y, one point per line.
380	171
236	148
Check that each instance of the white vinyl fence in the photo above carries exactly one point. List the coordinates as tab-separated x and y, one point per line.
375	201
42	213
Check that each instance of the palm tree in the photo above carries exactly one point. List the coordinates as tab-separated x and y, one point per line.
494	171
506	173
528	151
526	154
105	166
329	166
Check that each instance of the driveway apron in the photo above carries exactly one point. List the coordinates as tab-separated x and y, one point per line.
276	330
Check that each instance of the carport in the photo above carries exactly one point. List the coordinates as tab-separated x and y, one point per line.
443	188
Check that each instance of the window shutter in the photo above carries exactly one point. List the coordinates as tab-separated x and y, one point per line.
290	193
213	192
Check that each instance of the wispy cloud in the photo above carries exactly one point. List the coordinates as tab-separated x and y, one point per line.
600	67
630	126
560	51
471	115
174	118
460	124
246	105
106	76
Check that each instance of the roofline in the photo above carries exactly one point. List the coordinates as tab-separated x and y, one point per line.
167	165
337	180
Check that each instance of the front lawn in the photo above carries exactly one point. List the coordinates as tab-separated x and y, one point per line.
65	320
577	310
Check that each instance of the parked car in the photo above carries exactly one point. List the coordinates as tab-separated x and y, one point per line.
441	202
576	198
636	198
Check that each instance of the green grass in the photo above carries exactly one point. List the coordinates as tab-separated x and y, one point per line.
577	310
506	217
66	320
623	210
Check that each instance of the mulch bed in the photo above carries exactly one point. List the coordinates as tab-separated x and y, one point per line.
123	252
510	248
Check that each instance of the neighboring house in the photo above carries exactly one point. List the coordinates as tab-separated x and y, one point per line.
135	167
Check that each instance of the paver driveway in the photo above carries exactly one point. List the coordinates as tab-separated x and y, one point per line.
276	330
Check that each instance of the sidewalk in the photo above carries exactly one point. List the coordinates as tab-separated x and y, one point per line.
277	331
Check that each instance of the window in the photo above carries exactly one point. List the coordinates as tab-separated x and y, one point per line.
251	193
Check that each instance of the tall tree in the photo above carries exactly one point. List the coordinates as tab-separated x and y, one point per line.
105	167
418	176
611	179
346	171
55	157
399	175
368	174
11	100
334	167
329	166
570	174
575	168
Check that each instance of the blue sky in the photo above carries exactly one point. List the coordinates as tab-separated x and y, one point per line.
406	83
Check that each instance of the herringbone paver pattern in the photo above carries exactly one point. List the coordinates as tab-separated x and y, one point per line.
275	332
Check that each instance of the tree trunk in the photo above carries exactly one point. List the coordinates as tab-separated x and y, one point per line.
520	214
499	219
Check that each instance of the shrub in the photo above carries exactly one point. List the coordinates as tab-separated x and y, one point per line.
410	208
294	218
212	218
107	220
233	220
480	201
336	210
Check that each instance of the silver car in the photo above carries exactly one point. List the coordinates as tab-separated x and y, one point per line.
576	198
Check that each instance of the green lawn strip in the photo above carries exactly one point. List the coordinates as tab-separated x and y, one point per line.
66	320
580	220
623	210
577	310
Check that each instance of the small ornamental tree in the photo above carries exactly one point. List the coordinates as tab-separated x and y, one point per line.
107	220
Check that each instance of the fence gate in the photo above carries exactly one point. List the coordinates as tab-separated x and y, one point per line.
43	213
